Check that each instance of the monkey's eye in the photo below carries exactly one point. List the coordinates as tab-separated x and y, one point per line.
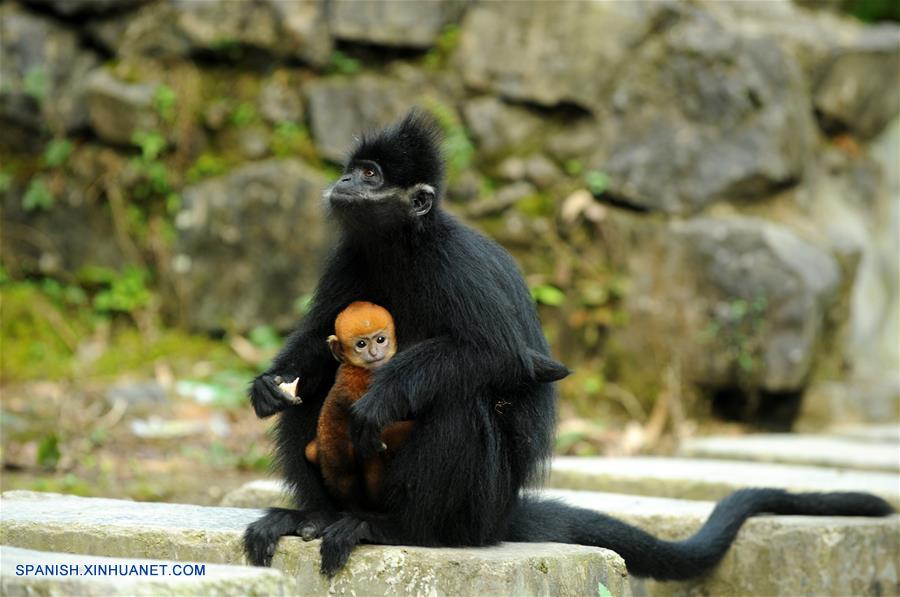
360	343
380	339
368	173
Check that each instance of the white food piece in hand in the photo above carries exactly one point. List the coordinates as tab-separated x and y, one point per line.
290	389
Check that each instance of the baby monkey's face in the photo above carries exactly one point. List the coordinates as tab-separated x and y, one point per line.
371	350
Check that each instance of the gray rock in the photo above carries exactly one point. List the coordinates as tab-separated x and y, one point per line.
249	245
498	127
341	108
379	22
279	101
751	260
264	493
855	400
551	52
181	532
118	110
857	87
280	28
702	114
852	68
42	72
743	302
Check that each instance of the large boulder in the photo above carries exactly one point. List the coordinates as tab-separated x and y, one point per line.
291	29
341	108
552	53
498	127
741	302
382	22
42	73
702	114
249	245
118	109
852	68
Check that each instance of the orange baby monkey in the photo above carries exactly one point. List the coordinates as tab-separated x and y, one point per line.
364	340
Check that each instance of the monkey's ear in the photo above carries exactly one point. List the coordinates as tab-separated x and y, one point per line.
335	346
422	199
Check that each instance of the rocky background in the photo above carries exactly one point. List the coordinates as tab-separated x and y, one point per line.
703	196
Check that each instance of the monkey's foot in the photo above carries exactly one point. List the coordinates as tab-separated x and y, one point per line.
261	537
338	541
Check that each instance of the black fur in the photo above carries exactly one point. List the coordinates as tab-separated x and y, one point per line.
468	335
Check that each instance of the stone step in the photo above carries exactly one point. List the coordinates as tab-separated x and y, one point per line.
816	450
119	528
29	572
711	479
783	555
888	433
772	555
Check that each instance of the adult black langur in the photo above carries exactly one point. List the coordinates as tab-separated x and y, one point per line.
469	373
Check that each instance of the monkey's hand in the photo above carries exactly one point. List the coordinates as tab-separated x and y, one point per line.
268	397
367	421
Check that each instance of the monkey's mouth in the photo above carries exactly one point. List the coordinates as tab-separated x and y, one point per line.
376	363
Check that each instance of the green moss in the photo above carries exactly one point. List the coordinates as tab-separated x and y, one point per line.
39	335
130	350
537	205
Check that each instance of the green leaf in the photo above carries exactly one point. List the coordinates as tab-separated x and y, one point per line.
48	451
602	591
150	142
265	336
547	294
37	196
596	181
57	152
35	83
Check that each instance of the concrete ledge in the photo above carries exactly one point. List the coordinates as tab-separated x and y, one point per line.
778	555
817	450
773	555
710	479
182	532
84	578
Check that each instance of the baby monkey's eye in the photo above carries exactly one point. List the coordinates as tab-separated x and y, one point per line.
361	344
380	339
368	173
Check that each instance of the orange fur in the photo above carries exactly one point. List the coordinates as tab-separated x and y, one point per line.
331	448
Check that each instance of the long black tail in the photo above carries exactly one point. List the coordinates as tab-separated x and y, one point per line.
646	555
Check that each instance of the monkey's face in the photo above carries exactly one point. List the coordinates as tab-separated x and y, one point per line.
370	350
365	194
392	178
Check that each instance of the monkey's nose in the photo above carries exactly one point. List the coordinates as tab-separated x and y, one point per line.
346	179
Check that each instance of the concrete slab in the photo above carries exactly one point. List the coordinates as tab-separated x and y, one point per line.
29	572
263	493
783	555
817	450
181	532
711	479
888	433
772	555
